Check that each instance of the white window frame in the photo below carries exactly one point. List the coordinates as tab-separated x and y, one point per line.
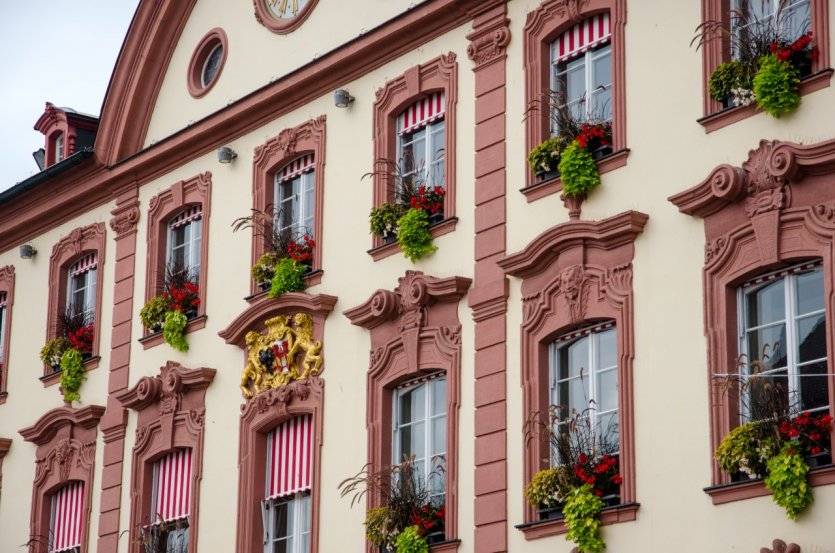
792	367
193	238
433	135
590	59
593	374
789	5
301	184
59	147
204	82
430	462
301	505
3	313
88	289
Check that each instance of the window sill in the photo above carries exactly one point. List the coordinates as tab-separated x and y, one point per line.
737	491
438	229
624	512
539	190
310	279
156	338
448	546
3	396
728	116
54	377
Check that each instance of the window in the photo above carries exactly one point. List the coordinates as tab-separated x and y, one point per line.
3	303
783	336
419	431
59	147
66	515
294	197
81	288
206	62
184	237
421	141
170	500
287	503
584	379
791	18
581	61
212	65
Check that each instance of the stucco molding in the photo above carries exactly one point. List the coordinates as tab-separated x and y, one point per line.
125	218
415	330
574	274
171	409
270	158
543	26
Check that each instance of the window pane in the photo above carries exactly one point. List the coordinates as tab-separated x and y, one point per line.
412	441
607	349
811	337
573	359
304	507
574	394
607	390
413	405
576	81
796	19
283	520
439	396
601	104
813	389
602	70
766	304
607	426
768	346
809	292
438	436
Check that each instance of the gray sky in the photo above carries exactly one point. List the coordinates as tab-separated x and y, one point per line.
62	52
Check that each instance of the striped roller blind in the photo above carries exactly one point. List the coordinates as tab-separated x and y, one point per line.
303	164
83	265
172	486
583	36
423	111
67	515
186	216
289	457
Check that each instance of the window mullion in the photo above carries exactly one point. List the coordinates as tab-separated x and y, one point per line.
792	373
588	70
593	379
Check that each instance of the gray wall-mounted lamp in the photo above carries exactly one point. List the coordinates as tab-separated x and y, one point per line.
226	154
342	98
27	251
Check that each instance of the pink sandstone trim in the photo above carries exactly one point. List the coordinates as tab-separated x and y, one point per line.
194	75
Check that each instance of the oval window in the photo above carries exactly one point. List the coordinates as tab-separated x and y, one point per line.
207	62
210	68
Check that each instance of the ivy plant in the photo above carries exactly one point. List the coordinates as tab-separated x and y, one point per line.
787	481
729	75
152	313
384	219
543	488
776	86
410	541
413	235
581	510
288	277
72	374
578	171
172	330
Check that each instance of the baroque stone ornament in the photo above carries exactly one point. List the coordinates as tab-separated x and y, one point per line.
571	8
766	191
124	219
572	287
282	16
284	354
779	546
489	42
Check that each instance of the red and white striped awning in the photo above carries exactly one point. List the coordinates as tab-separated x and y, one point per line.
783	273
289	457
303	164
67	516
585	332
583	36
83	265
172	494
422	112
192	213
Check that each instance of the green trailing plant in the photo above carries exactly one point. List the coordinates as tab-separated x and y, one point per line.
411	541
581	518
384	219
52	351
378	525
72	374
544	488
745	449
776	86
578	171
413	235
787	481
172	330
728	76
264	269
153	313
288	277
546	156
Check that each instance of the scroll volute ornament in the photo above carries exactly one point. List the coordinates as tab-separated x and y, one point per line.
284	354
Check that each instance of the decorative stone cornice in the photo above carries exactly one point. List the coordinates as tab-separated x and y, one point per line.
490	37
166	388
47	426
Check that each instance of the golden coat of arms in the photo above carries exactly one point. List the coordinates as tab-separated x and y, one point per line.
285	353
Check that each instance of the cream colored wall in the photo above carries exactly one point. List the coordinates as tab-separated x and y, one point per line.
670	152
28	400
256	56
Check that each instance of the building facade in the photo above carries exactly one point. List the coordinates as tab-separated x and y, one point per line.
705	256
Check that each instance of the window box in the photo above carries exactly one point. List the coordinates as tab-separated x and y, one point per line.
542	176
549	513
606	162
625	512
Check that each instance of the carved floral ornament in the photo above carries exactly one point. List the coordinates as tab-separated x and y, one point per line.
285	354
779	546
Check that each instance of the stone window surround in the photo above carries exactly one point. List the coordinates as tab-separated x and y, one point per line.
773	211
162	208
271	157
414	331
81	241
543	26
66	451
712	55
171	411
439	74
264	412
7	278
573	274
206	46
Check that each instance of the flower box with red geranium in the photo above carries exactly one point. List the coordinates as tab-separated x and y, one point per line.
431	200
170	312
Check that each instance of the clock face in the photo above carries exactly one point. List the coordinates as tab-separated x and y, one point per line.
286	9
